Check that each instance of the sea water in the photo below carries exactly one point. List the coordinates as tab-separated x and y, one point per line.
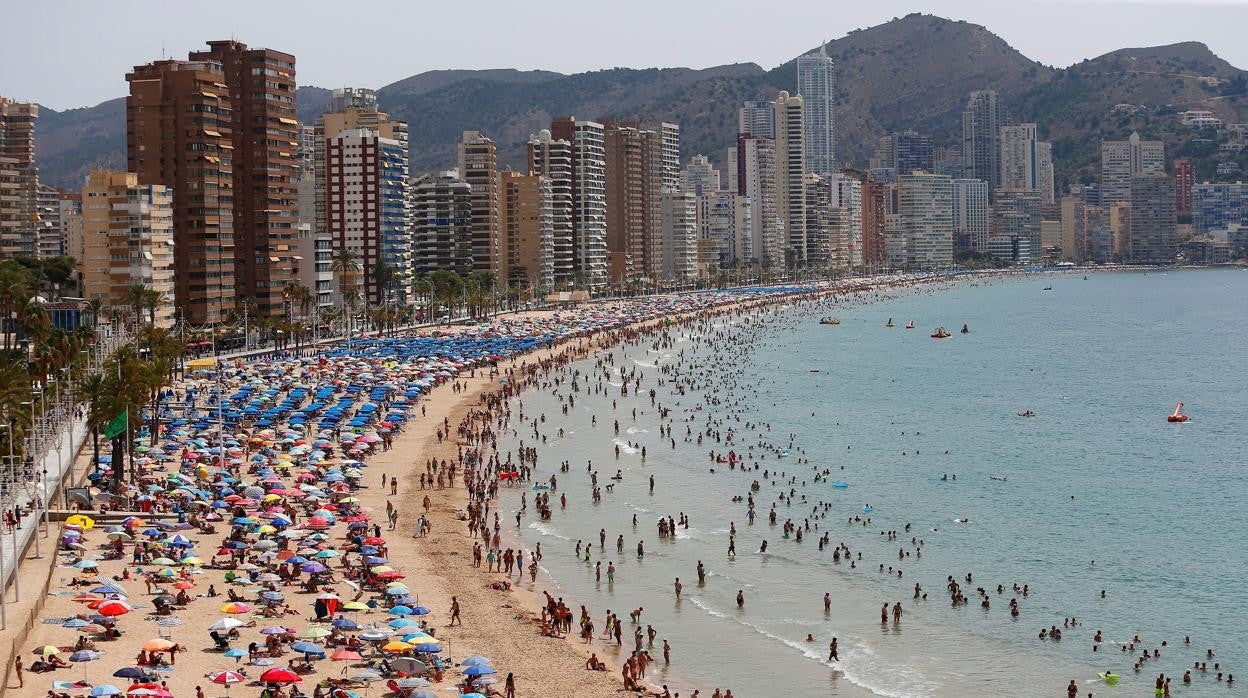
1100	493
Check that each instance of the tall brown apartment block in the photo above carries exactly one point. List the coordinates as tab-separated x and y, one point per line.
527	225
19	180
625	199
874	209
179	134
265	132
478	166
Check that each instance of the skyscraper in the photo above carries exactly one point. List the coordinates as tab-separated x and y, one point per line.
628	216
179	126
925	205
816	84
1044	173
846	203
873	222
981	134
261	84
1122	160
1019	159
790	176
1015	231
478	166
552	159
699	176
680	235
589	200
19	180
1074	229
970	214
725	220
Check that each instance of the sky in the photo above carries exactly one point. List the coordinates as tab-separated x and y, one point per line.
73	53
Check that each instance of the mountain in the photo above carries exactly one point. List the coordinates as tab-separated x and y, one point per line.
912	72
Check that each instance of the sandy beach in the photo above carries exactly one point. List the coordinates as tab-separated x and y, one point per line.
500	624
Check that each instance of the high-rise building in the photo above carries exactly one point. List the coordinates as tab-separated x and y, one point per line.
441	221
314	246
1184	178
904	152
1120	230
981	135
589	198
970	214
819	233
1016	217
179	128
816	84
354	109
127	239
1045	177
680	234
895	253
19	180
478	166
1019	160
527	227
1217	206
925	204
699	176
667	149
261	85
790	176
366	194
552	159
757	118
1153	224
1098	232
756	180
846	220
48	240
873	221
725	219
1122	160
1075	247
629	216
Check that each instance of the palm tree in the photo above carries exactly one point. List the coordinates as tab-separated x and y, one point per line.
136	296
95	392
424	293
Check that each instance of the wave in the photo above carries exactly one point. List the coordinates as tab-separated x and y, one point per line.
635	430
814	652
639	510
643	364
547	530
624	446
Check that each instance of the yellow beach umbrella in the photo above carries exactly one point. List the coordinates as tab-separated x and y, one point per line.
397	646
86	523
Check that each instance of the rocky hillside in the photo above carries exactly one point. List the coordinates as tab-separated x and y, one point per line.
911	72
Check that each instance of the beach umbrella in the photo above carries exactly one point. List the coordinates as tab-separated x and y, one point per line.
236	653
472	695
344	624
276	630
105	689
431	647
407	665
311	633
280	675
47	650
226	624
114	608
313	568
477	660
227	678
345	656
396	646
158	645
480	670
234	607
84	656
129	673
366	676
86	564
86	523
412	681
74	623
308	648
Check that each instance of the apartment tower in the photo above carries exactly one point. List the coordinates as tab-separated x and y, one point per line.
816	83
19	180
589	198
478	166
552	159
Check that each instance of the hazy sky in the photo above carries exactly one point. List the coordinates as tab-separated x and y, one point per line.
70	53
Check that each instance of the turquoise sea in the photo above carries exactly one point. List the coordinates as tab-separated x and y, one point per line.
1100	492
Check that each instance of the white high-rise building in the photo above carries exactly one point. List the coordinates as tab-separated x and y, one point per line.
680	235
981	133
669	153
816	83
790	176
589	197
699	176
1122	160
970	214
1018	158
724	218
925	204
847	207
756	168
1044	173
552	159
757	118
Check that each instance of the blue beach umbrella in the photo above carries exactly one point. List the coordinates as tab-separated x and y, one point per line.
477	660
308	648
105	689
480	670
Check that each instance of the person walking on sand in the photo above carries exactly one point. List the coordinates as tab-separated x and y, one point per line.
455	612
17	667
509	686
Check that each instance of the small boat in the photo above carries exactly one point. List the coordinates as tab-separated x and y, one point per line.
965	329
889	323
782	453
840	484
1047	288
867	509
1028	413
829	321
941	333
910	325
1109	677
1177	415
997	477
